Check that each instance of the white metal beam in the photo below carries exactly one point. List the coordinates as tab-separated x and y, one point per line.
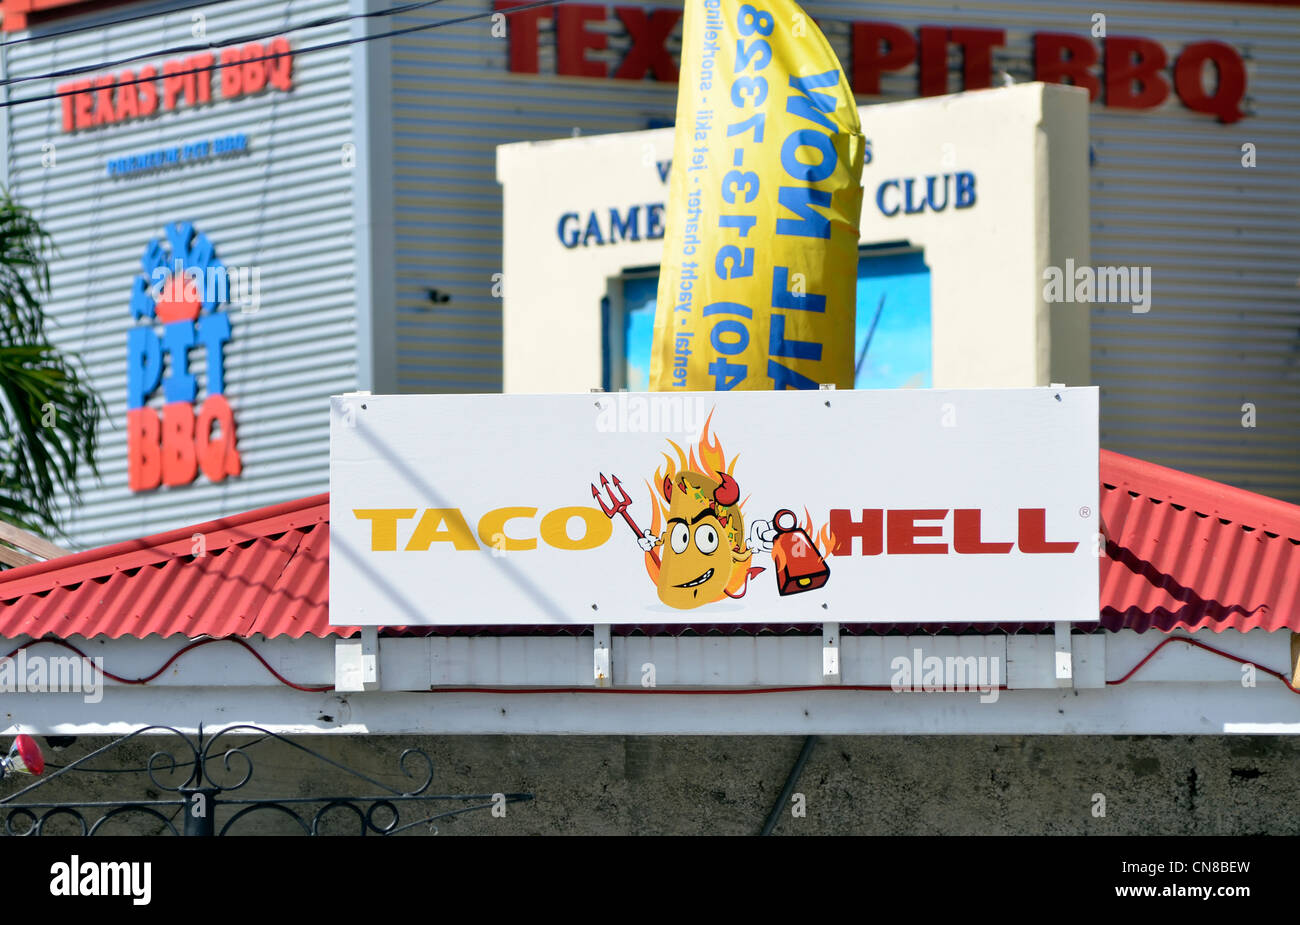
1187	708
1182	689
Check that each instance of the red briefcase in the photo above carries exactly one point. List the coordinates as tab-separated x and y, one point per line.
799	566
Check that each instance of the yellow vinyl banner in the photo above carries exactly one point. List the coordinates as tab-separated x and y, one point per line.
758	284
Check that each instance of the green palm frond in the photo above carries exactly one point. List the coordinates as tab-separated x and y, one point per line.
49	414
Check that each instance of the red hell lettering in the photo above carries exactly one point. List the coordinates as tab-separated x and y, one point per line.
1033	533
878	47
648	52
897	532
904	530
966	535
1132	61
1049	66
870	530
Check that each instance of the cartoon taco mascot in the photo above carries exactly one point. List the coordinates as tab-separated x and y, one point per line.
696	551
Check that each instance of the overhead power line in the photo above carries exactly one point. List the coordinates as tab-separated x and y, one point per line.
324	46
99	25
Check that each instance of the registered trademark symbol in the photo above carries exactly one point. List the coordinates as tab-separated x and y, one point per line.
1085	511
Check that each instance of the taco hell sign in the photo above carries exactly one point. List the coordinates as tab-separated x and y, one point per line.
857	507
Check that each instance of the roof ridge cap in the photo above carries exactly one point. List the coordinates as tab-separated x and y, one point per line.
161	547
1204	496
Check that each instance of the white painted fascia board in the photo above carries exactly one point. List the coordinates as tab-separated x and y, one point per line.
1031	660
1132	709
1178	662
308	661
421	663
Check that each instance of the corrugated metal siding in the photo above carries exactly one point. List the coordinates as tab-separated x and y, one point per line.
453	102
1168	192
286	207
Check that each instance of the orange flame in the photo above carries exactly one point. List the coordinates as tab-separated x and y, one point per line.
823	539
706	458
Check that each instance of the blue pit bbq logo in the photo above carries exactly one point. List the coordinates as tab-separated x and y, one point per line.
182	287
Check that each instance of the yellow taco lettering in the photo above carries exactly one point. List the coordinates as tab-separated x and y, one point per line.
456	532
555	528
493	524
383	525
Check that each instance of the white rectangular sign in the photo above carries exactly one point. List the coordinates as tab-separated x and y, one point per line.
911	505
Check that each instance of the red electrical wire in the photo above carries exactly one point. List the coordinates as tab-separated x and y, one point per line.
840	687
1200	645
618	690
193	645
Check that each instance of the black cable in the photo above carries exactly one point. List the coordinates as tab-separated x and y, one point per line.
224	43
775	816
341	43
101	25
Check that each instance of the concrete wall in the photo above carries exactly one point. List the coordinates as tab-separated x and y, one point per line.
871	785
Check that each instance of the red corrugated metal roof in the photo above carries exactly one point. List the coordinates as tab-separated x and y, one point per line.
1185	553
1191	553
265	571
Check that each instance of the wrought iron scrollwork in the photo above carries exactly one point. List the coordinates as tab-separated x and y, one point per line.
213	771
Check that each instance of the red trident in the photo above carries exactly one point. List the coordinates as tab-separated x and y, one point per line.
616	505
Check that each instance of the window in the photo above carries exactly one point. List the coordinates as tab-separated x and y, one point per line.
891	342
893	336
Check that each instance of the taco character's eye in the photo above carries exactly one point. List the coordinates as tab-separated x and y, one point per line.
706	538
680	536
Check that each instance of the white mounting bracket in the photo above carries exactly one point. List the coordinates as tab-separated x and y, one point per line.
356	661
1064	655
604	656
830	653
